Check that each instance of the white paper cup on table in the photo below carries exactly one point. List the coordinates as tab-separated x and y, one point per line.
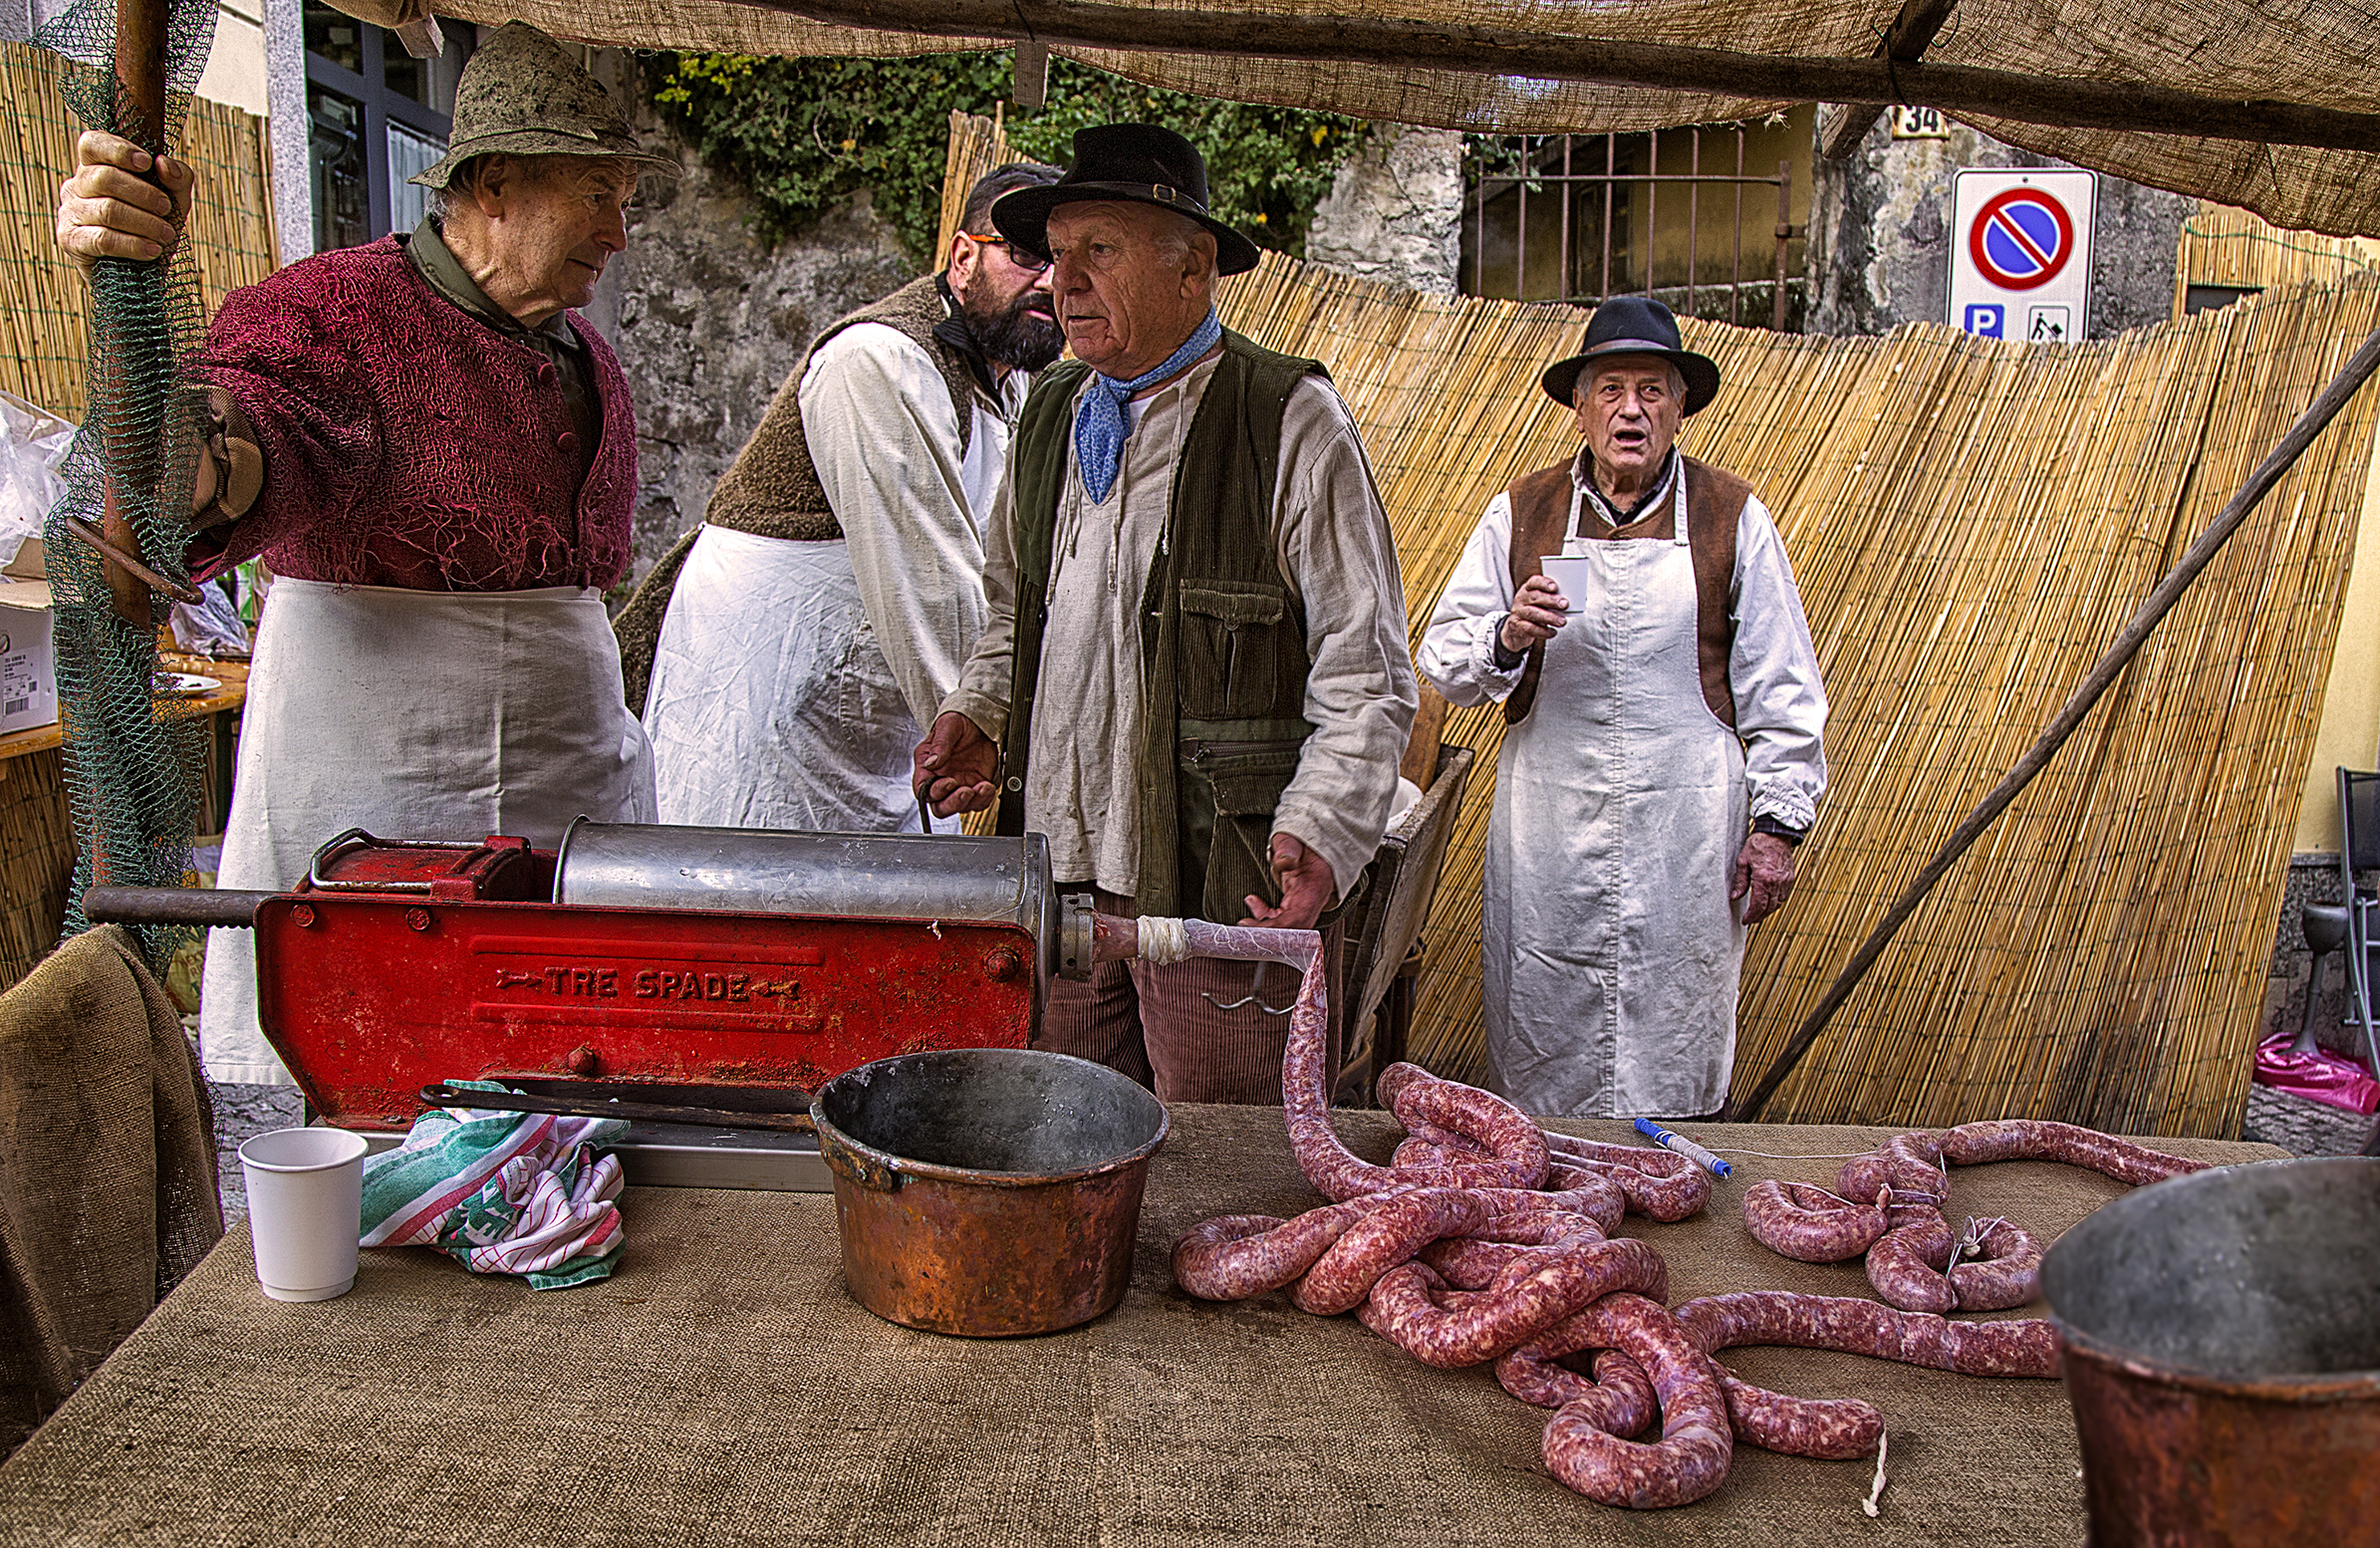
1572	577
305	1210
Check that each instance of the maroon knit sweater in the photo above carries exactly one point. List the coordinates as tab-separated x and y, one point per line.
407	445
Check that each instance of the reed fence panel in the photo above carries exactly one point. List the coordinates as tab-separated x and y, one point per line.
1972	522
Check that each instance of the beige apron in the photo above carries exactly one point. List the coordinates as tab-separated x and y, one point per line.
1610	951
415	715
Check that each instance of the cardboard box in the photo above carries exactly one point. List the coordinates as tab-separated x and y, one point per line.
28	666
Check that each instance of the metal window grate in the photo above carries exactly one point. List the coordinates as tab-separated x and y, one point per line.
1599	245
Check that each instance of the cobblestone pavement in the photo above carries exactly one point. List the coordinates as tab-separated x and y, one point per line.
2300	1126
241	1111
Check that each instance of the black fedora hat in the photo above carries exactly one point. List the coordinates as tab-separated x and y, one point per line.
1131	163
1634	325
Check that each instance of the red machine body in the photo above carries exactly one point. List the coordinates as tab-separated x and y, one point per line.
401	965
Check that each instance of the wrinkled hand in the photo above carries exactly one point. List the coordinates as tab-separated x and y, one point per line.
1764	869
1536	614
1307	888
953	767
110	210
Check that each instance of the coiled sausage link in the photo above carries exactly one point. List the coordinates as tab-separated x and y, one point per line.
1234	1256
1659	1184
2006	1273
1808	1223
2037	1138
1697	1436
2007	1347
1906	1264
1910	1165
1488	1120
1385	1238
1617	1399
1403	1310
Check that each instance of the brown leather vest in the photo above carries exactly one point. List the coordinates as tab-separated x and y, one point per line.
1713	504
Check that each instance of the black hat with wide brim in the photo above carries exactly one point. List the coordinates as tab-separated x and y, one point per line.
1634	325
1128	163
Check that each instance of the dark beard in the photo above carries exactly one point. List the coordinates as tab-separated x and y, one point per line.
1014	335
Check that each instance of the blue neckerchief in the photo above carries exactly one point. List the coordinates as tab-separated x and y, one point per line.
1100	427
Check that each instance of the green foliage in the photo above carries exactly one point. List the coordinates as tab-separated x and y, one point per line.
803	133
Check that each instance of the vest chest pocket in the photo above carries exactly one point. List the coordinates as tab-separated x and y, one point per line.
1237	641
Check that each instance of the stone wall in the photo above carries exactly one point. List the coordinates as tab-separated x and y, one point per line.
708	320
1880	235
1395	210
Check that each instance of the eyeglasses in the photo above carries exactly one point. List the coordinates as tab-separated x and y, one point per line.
1030	262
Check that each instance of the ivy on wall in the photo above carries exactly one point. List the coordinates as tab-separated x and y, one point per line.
803	133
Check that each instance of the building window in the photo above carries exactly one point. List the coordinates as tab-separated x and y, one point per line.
1709	219
379	116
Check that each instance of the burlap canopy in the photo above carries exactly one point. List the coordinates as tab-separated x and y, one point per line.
2027	71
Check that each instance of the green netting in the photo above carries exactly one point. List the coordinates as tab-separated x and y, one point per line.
130	765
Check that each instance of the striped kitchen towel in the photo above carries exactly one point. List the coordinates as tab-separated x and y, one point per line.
502	1193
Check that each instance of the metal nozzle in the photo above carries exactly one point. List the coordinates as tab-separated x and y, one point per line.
1075	936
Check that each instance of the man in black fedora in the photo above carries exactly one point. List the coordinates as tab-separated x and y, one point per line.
1196	679
1635	611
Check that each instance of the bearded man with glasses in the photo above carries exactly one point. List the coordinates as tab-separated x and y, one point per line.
786	651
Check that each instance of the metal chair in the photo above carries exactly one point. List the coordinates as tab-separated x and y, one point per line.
2360	856
2325	926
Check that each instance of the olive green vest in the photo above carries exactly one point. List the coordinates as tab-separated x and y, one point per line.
1222	637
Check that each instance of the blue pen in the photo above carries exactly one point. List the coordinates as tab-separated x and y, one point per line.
1684	1146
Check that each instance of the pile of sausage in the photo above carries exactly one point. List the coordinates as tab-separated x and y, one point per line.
1487	1238
1889	1204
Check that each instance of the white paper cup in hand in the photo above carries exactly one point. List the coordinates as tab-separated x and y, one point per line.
305	1210
1572	577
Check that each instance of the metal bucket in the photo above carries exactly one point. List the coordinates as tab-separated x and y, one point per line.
987	1192
2221	1349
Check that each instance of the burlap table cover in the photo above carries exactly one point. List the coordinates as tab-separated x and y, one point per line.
723	1389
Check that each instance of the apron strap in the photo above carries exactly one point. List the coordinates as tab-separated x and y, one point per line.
1680	522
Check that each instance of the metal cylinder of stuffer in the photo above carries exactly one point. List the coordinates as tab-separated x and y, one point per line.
833	875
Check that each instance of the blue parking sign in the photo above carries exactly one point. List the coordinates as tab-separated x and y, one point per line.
1986	320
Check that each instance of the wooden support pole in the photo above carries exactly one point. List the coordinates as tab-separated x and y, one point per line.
132	462
2201	553
1395	44
1842	125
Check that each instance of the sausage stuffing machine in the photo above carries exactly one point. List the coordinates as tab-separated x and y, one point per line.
647	969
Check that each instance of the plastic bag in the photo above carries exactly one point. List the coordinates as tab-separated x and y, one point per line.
33	441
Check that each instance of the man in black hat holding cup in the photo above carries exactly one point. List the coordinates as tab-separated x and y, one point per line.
1635	611
1194	680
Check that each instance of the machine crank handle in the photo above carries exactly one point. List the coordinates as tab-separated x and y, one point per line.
231	910
445	1095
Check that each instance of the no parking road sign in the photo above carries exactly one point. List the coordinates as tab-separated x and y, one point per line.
2020	253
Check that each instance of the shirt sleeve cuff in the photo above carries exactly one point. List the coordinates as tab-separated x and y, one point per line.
989	715
1486	663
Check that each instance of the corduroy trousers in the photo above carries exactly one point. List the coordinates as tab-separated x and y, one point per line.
1163	1027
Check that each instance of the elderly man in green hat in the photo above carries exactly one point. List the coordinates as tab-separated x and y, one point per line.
436	458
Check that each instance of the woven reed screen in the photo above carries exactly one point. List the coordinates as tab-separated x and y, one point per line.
41	297
2238	247
1972	522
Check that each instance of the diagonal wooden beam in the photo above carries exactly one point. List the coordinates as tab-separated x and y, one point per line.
1393	44
1842	125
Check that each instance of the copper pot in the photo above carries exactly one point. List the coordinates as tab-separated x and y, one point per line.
987	1192
2220	1342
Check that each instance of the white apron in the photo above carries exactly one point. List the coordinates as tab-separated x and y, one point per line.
772	705
415	715
1610	951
